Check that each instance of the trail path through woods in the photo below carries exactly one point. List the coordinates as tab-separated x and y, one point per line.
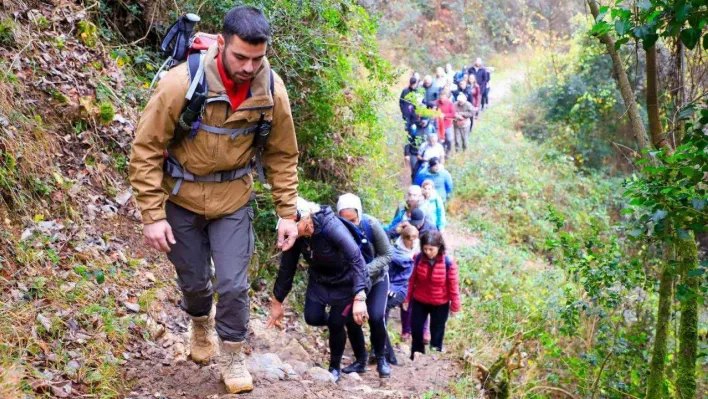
285	364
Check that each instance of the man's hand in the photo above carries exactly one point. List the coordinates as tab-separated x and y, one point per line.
276	314
404	305
159	235
360	313
287	234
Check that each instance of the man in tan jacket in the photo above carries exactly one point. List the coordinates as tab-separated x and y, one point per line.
195	202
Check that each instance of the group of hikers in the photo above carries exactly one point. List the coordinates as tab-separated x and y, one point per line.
440	111
216	117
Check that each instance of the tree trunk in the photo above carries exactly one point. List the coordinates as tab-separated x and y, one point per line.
635	120
688	329
656	130
678	90
658	357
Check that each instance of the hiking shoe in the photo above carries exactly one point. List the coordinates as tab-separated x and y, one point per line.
232	367
382	367
359	366
336	373
202	338
391	357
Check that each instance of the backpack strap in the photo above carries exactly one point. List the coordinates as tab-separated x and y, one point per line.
197	77
366	225
177	171
263	130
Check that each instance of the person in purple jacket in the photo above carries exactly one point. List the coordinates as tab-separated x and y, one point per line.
399	272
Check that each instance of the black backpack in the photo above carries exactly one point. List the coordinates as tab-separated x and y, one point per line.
363	239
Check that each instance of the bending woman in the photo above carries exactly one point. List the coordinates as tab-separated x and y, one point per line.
338	277
349	208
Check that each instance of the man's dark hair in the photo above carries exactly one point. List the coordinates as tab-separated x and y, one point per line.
433	238
248	23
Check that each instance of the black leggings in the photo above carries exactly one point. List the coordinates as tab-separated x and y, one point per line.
393	302
318	297
438	318
376	307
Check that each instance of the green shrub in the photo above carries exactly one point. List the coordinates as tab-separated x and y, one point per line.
7	33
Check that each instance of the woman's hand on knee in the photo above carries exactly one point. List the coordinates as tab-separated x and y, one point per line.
360	312
276	314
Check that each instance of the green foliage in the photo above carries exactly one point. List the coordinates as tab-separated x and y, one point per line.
669	197
88	33
7	33
107	112
574	103
685	19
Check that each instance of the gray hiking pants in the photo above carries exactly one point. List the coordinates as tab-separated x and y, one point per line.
461	135
229	241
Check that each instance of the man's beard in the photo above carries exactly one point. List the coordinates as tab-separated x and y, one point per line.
235	77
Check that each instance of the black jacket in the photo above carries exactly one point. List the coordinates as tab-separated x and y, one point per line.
481	74
467	92
407	109
332	254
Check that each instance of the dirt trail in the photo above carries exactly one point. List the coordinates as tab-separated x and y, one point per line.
285	364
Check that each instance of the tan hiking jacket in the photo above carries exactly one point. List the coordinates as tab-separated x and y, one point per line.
209	153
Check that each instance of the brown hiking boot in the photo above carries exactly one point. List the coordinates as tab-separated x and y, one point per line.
233	369
202	338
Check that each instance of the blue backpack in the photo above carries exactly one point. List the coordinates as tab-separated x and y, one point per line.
364	239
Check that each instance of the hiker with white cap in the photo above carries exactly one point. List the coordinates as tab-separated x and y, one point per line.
349	207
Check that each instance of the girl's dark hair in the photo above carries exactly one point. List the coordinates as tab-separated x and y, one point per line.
433	238
248	23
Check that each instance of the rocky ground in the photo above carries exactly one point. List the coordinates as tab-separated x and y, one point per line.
288	363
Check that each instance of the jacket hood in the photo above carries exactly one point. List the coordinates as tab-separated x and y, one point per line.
322	218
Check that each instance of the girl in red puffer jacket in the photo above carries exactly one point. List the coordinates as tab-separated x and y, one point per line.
434	290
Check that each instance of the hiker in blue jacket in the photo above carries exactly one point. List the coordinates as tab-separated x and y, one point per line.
414	195
439	176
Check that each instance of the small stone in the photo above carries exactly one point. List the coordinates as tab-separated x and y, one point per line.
294	350
61	392
133	307
353	377
44	321
300	367
27	234
71	369
318	374
124	197
271	374
66	287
